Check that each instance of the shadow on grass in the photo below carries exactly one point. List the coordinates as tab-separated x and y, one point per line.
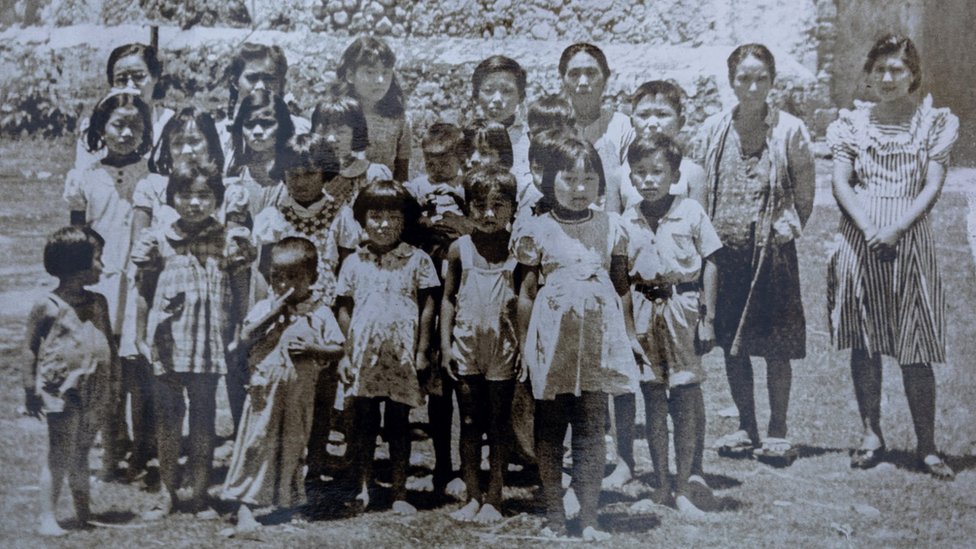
909	461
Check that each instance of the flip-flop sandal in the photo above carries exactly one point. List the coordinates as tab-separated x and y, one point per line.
734	444
867	458
937	467
776	451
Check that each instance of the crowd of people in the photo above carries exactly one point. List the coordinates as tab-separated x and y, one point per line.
551	260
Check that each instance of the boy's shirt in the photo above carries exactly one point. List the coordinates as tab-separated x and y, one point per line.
674	254
692	175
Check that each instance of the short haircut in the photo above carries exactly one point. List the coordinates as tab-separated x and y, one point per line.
670	92
541	145
482	135
589	49
498	63
342	110
442	137
95	137
386	194
481	181
256	101
304	250
248	52
306	152
758	51
895	44
549	112
161	160
369	50
645	147
149	56
564	156
71	250
183	177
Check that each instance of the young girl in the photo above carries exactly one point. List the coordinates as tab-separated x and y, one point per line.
479	345
386	312
101	196
365	72
498	91
291	337
197	262
578	340
261	128
69	350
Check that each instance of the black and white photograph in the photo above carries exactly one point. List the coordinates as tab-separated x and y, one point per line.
507	273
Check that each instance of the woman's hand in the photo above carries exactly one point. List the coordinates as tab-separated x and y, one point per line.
706	335
448	364
421	362
521	372
345	371
886	237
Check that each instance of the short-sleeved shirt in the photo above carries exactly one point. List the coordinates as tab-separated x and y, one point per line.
389	139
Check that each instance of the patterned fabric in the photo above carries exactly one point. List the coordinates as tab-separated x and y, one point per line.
741	192
192	306
576	338
892	307
389	139
382	335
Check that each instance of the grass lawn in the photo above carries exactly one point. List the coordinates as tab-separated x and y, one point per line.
819	501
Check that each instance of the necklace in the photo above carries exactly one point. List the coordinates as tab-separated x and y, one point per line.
316	223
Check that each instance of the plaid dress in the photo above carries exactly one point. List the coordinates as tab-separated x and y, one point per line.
190	316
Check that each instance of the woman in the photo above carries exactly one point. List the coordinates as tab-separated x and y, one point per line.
584	72
885	293
760	186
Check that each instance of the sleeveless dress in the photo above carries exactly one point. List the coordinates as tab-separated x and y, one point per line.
485	341
897	307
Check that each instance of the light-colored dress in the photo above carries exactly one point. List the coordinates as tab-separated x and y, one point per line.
484	340
267	467
897	307
382	335
577	340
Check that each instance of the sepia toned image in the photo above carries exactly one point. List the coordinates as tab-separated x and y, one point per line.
378	273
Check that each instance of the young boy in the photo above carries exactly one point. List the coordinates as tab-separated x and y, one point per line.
671	247
656	109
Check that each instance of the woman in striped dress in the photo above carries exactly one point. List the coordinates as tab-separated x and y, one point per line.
885	293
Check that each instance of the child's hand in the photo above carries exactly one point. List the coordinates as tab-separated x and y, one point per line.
421	362
706	335
345	371
301	346
639	357
521	372
448	364
33	403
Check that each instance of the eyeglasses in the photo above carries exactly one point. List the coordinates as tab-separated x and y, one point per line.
122	79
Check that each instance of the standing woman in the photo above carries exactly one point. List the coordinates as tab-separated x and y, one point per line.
584	72
759	194
498	92
885	293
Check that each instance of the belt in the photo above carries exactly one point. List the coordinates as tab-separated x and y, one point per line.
665	291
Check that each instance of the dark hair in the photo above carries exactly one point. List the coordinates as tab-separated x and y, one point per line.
498	63
306	152
549	112
258	100
386	194
308	256
248	52
481	181
589	49
481	134
71	250
541	144
161	160
442	136
369	50
669	91
758	51
149	56
564	156
95	137
645	147
184	176
891	44
342	110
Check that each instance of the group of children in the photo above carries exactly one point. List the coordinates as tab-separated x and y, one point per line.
297	259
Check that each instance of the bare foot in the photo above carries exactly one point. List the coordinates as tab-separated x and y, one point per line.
590	533
246	521
468	512
456	489
422	484
363	496
621	475
403	508
687	508
571	504
488	514
49	527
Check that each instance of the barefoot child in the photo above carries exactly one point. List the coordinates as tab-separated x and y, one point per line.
291	337
386	312
577	340
70	350
479	345
670	247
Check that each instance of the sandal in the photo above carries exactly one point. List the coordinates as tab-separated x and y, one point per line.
733	443
937	467
776	451
867	458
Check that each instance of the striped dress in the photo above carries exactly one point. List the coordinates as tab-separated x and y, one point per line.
896	307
